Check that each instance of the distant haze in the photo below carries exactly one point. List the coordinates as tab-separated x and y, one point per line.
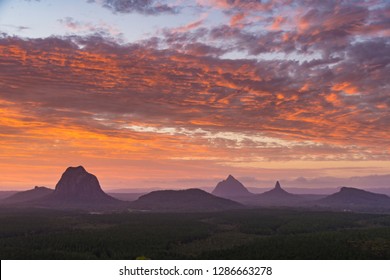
323	185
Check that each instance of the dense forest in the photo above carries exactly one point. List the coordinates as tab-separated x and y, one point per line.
237	234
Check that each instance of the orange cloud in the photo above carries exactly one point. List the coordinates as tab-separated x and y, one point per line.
153	110
334	99
346	87
236	20
278	21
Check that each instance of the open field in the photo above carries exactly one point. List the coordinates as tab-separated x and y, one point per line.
239	234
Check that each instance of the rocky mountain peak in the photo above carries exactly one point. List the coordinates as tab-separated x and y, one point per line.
230	178
76	184
230	187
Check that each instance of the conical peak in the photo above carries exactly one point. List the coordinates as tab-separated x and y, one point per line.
230	187
230	177
277	192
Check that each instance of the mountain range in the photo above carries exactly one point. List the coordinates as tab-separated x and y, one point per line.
352	199
78	189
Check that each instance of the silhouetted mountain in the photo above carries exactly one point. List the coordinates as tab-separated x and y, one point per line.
79	189
356	199
191	200
277	192
231	188
29	195
5	194
277	197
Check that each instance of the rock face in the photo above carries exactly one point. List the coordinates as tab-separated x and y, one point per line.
231	188
78	186
355	199
29	195
191	200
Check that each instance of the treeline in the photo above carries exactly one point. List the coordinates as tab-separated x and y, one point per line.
240	234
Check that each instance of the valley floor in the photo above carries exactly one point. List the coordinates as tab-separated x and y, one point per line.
239	234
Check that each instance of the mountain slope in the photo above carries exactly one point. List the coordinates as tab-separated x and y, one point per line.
356	199
29	195
192	200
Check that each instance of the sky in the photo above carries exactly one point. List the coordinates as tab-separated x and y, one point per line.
182	93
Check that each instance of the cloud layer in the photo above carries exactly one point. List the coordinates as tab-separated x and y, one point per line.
146	7
278	81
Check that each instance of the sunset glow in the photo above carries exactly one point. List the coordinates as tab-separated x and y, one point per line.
182	93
